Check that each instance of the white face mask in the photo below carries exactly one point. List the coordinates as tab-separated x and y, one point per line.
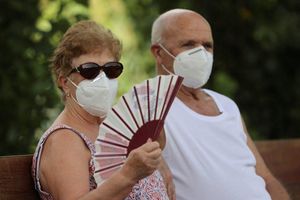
194	65
96	96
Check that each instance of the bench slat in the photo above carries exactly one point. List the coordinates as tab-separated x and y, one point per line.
15	178
282	158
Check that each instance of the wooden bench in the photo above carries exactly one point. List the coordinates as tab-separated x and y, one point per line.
15	178
281	156
283	159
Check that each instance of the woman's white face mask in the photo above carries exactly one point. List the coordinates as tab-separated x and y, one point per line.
96	96
194	65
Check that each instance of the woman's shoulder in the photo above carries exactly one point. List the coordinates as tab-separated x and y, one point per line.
61	143
64	135
59	148
65	160
65	138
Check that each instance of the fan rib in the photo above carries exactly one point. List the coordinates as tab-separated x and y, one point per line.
166	97
123	121
172	96
130	111
178	82
157	95
109	155
148	100
109	167
111	128
138	101
112	143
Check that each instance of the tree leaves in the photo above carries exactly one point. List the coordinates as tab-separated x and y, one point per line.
27	90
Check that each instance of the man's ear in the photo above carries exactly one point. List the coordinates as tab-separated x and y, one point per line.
156	52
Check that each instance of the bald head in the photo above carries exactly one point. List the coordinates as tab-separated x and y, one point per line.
170	21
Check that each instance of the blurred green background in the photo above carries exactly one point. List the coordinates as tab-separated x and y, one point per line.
257	51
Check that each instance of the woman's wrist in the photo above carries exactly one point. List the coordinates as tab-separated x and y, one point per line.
127	176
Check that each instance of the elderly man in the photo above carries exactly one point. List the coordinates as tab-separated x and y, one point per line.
208	149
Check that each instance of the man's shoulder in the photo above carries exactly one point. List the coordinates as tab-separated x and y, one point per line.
219	95
226	102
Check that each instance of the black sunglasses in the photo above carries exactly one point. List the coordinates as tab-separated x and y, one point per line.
91	70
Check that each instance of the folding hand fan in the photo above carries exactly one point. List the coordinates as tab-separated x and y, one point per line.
139	115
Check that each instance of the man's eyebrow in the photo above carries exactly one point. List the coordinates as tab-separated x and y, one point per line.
193	41
187	41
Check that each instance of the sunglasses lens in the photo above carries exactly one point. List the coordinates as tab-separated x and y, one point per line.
89	70
113	69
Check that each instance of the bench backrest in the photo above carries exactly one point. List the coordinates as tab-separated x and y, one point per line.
283	159
281	156
15	178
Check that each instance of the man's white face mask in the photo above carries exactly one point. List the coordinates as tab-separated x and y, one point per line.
96	96
194	65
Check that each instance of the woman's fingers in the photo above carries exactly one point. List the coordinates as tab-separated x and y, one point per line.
144	160
156	153
150	146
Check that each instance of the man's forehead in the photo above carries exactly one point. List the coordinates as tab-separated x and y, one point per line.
189	35
186	25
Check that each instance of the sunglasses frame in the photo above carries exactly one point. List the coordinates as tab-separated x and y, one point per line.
100	67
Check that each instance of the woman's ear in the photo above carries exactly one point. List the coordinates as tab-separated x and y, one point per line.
62	83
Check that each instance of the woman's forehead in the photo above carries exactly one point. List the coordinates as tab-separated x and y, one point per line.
101	57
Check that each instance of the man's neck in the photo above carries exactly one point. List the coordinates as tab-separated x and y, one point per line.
199	101
190	93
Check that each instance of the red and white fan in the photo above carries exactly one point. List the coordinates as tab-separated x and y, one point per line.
138	115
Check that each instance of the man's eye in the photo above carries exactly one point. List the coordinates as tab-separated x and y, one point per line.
189	44
208	46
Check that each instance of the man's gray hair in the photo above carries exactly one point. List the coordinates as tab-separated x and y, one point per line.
157	30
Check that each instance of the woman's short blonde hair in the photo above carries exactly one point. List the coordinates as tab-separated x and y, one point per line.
82	38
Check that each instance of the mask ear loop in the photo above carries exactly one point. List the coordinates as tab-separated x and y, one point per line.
72	82
71	94
166	51
163	66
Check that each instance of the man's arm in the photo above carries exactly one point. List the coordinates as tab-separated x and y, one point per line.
273	186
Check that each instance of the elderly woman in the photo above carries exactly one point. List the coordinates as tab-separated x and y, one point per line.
85	66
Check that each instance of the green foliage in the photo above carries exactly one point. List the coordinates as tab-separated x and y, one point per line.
257	47
113	15
27	92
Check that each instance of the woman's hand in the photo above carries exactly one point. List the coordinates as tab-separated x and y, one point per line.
142	161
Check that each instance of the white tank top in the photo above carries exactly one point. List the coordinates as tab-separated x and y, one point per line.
208	155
